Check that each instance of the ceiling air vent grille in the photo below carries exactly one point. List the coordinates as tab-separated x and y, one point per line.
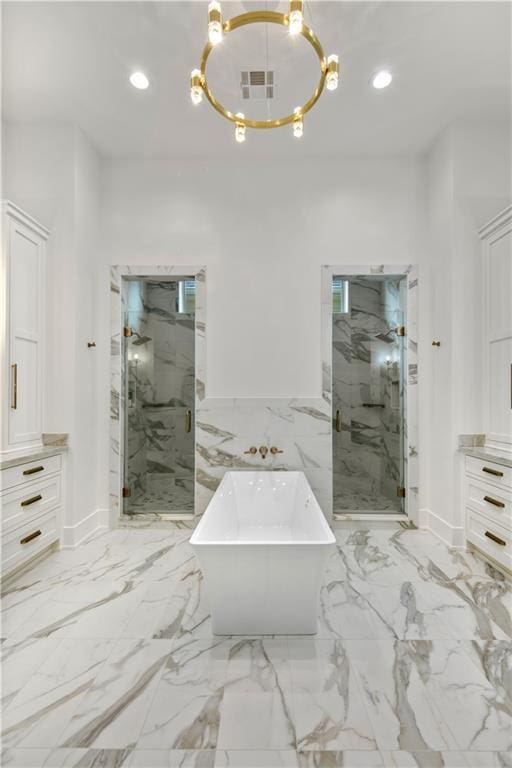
257	84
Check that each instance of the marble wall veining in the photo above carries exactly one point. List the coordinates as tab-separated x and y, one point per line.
369	450
368	394
225	428
161	423
159	461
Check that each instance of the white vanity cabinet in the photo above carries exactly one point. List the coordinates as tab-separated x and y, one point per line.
30	507
488	505
21	318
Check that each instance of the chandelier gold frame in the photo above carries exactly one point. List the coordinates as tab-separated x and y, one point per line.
265	17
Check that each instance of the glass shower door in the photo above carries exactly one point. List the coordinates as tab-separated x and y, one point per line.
159	396
368	394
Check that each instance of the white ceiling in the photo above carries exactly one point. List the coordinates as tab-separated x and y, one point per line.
70	61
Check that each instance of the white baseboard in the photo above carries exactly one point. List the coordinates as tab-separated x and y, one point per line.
451	535
74	535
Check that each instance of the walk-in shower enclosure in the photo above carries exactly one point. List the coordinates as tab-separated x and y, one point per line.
159	393
369	332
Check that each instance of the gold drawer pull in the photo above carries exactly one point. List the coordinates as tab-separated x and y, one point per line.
495	538
494	472
33	470
188	421
494	501
31	536
32	500
338	421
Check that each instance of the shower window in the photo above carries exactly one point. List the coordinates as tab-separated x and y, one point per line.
368	394
159	386
340	297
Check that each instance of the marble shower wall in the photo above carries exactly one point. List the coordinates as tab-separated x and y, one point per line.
227	428
367	389
374	442
160	388
170	377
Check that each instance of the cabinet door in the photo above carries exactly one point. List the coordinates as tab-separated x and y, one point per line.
499	336
25	275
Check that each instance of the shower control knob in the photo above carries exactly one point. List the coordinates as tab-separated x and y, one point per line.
275	450
252	450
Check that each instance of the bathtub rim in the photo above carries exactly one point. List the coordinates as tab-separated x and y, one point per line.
329	540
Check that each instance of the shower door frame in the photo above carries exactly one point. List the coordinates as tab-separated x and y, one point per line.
411	454
117	366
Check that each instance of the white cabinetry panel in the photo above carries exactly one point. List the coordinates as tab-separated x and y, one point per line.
21	310
497	352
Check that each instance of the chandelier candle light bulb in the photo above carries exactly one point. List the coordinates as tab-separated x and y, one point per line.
196	88
296	17
214	23
240	129
294	21
333	69
298	124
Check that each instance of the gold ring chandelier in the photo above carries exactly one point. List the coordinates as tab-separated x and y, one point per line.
294	21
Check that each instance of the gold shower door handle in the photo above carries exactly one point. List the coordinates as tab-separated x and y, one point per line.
338	421
14	386
188	420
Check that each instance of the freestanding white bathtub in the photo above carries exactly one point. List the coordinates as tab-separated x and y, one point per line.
262	544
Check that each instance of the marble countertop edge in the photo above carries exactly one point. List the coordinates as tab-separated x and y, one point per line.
488	454
34	455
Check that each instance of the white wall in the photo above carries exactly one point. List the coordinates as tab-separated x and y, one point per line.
52	172
263	231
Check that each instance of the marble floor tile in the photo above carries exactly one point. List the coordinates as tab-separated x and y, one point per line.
446	759
111	714
329	721
159	758
392	676
88	758
40	712
494	659
341	759
257	721
256	759
23	758
477	716
20	662
182	719
258	665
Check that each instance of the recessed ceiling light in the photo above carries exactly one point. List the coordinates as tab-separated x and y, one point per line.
381	79
139	80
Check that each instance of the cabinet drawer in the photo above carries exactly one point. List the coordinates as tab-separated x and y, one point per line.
28	471
489	537
21	545
495	503
28	501
497	474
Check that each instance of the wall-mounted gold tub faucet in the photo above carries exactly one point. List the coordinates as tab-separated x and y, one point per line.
263	451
